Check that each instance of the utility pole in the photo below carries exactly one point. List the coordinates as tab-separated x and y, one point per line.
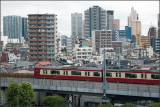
105	85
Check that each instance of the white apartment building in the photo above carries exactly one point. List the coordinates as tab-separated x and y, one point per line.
13	58
83	53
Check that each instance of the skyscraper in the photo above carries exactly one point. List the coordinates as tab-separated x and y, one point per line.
110	18
24	27
116	24
42	34
76	25
12	27
95	19
152	33
134	23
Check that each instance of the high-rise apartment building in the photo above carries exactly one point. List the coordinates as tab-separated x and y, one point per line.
12	27
76	25
134	23
152	33
42	34
63	39
95	19
110	19
101	39
116	24
24	28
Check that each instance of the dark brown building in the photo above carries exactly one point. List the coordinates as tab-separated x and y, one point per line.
42	34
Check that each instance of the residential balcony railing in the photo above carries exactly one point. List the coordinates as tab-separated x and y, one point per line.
50	48
50	39
32	44
50	52
41	39
33	40
41	43
42	48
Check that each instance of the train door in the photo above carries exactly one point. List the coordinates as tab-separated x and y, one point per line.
35	73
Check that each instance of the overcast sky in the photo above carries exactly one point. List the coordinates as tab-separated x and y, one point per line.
147	10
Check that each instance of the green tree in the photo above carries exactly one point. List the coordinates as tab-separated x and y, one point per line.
54	101
128	105
26	94
106	105
12	93
153	105
64	50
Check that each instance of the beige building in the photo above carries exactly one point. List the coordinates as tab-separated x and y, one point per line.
116	24
134	22
42	34
101	39
145	40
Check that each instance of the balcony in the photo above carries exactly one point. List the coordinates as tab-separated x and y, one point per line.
32	57
51	27
50	43
32	48
31	27
41	26
50	35
44	53
41	43
32	53
42	57
32	22
33	40
30	44
50	31
41	17
50	52
32	18
51	18
42	35
42	48
32	31
50	57
41	39
32	35
50	39
42	22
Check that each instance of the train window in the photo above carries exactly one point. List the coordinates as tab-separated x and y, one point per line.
108	74
66	72
75	73
55	72
63	72
130	75
44	71
141	75
155	76
116	74
88	73
119	74
96	74
85	73
145	75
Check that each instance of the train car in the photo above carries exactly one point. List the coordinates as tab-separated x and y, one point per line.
95	74
69	74
136	77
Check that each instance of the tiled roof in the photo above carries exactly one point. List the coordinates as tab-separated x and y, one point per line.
44	62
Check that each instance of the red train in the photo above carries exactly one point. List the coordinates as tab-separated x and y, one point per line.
95	74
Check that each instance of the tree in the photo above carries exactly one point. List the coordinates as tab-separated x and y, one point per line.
12	93
106	105
128	105
26	94
153	105
54	101
64	50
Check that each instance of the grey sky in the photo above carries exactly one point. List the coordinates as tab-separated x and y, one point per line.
147	11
